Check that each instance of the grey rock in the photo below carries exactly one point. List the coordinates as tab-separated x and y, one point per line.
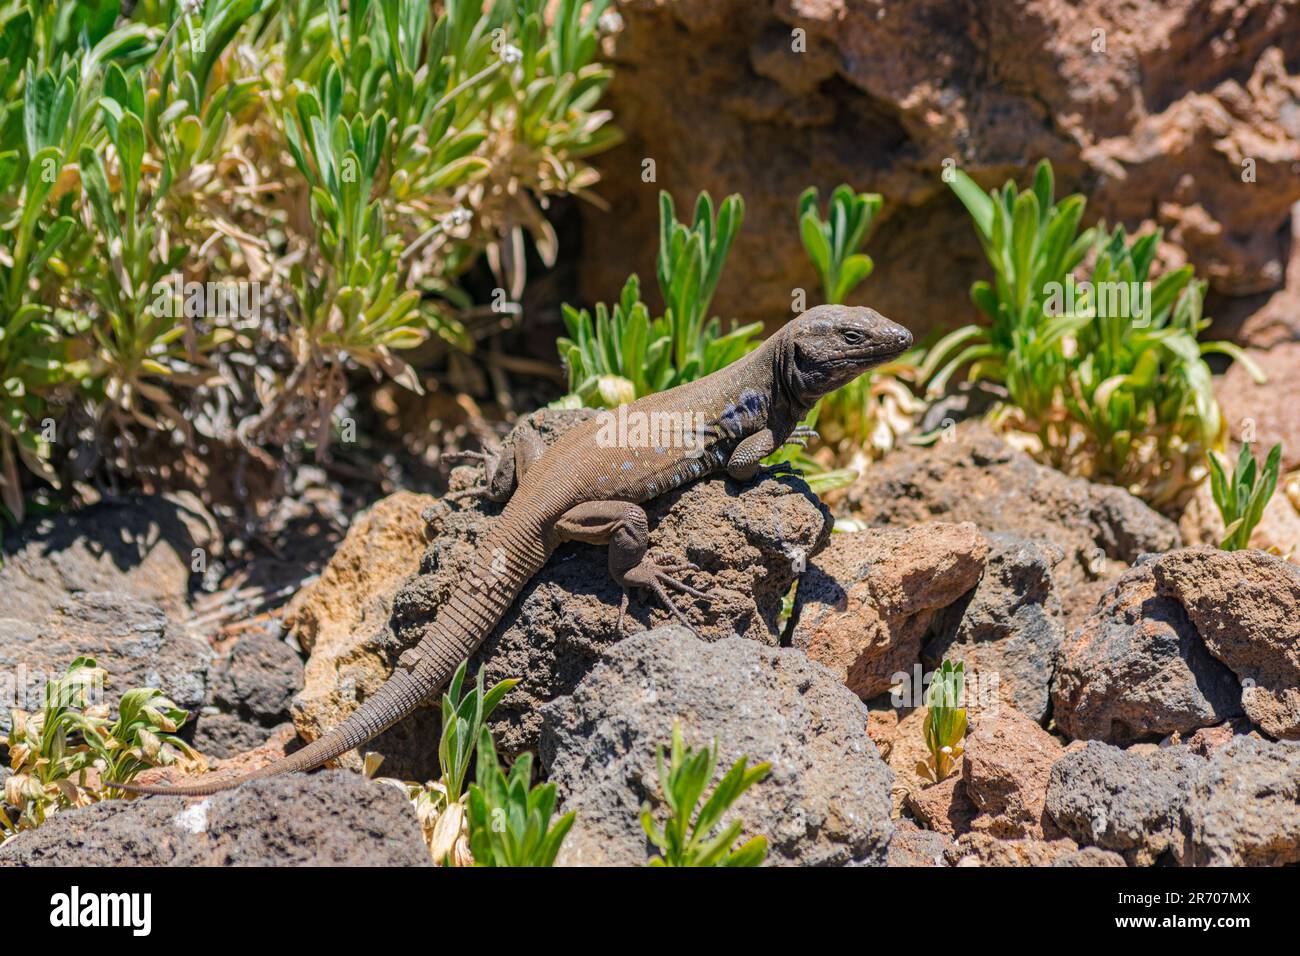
1010	625
134	641
1137	670
227	735
1244	808
978	477
1127	801
333	818
252	688
825	802
260	676
912	846
139	547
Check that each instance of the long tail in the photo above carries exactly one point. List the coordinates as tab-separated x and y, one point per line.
463	622
399	695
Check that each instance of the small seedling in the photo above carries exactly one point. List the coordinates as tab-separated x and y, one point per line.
510	820
945	722
688	837
1242	497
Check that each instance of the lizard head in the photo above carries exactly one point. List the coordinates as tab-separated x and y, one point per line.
831	345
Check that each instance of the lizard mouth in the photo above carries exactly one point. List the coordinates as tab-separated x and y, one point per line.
873	354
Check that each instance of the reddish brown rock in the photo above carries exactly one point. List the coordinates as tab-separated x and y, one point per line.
865	603
1209	739
1267	412
282	742
944	806
1269	318
982	849
382	548
1246	608
911	846
1187	98
1006	767
882	727
978	477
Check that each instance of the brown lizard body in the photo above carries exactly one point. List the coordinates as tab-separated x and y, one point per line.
589	486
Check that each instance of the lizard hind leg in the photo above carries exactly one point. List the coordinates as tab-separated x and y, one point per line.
623	526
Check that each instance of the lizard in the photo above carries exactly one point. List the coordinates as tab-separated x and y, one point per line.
589	487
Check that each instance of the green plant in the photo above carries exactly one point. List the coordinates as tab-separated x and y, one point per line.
70	753
423	142
945	721
1106	373
692	837
1242	496
47	78
349	162
833	243
865	418
509	819
440	805
624	354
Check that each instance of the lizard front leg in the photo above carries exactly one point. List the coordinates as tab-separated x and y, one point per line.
746	460
503	472
623	526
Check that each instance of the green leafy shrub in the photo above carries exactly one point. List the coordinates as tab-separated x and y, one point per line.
1106	375
1242	496
945	721
623	354
509	819
695	837
353	164
71	753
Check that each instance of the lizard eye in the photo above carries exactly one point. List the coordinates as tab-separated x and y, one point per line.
852	336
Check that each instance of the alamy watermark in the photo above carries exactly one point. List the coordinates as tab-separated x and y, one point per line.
75	909
23	688
175	298
629	428
979	690
1106	299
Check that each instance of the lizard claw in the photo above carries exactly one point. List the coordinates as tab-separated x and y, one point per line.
478	491
649	574
780	468
676	567
460	457
801	436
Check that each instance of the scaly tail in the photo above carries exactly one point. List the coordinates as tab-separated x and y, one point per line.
400	694
512	554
